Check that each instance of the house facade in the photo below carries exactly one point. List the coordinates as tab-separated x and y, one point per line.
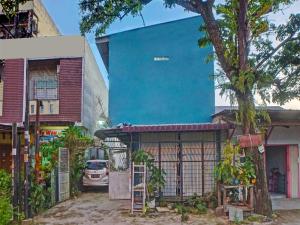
281	148
159	75
63	76
161	98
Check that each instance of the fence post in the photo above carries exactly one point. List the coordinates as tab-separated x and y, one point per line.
159	166
202	166
218	146
15	185
180	167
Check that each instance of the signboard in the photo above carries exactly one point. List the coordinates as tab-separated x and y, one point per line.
253	140
48	133
63	174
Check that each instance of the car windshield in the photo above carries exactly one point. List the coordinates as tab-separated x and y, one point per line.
95	165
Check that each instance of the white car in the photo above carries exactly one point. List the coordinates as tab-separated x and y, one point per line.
96	173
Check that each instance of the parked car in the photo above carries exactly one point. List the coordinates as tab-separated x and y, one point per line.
95	173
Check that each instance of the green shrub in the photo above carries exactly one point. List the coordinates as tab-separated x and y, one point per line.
201	207
5	183
6	210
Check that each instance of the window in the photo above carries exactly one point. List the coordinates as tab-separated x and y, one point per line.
32	109
51	108
44	88
95	165
42	108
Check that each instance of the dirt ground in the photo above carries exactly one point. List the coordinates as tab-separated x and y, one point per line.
95	208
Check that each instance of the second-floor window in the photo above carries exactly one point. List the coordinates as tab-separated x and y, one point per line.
44	88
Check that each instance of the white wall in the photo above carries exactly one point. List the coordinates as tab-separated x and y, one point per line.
94	89
284	135
289	136
42	47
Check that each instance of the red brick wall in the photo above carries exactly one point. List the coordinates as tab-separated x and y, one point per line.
13	91
70	89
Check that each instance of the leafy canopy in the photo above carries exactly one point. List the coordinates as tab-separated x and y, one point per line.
10	7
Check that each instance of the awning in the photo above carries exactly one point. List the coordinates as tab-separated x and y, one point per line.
123	131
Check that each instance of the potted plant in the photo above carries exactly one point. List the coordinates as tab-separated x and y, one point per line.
155	181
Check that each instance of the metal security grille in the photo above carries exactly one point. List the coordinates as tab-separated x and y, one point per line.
189	166
44	88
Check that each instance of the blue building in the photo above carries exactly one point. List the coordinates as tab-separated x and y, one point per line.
159	75
161	84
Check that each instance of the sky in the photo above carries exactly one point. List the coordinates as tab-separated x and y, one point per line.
66	15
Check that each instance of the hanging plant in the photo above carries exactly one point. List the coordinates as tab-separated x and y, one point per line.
231	171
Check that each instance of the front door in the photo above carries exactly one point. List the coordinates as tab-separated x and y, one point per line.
276	165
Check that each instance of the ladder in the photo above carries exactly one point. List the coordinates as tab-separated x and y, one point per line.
138	188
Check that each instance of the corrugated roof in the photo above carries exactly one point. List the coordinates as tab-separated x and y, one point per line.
124	130
279	116
175	128
219	109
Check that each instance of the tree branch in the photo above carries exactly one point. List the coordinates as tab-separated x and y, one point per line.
205	9
290	38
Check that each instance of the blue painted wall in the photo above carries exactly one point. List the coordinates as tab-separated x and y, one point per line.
145	91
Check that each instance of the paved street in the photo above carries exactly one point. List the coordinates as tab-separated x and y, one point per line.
95	208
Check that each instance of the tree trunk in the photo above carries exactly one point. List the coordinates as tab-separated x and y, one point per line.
262	200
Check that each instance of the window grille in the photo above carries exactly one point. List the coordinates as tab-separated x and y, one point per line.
44	88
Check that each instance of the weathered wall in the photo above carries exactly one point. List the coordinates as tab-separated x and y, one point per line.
119	185
69	92
293	171
94	90
144	90
46	26
13	101
42	47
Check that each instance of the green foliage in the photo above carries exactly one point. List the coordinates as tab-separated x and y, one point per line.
5	183
50	154
157	177
6	210
37	198
225	171
10	7
229	170
76	141
197	203
40	195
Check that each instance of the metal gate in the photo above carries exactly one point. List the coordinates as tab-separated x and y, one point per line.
189	166
63	174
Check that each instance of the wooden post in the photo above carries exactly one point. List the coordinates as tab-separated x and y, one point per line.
219	194
37	139
224	198
251	197
14	167
27	160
